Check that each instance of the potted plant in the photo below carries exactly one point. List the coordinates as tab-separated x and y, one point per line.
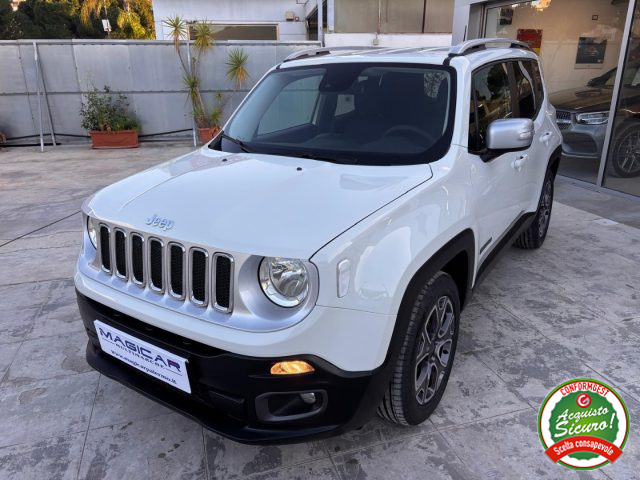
108	120
209	124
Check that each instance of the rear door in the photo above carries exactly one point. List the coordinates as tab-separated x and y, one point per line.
498	181
529	100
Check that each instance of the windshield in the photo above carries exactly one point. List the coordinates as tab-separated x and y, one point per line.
376	114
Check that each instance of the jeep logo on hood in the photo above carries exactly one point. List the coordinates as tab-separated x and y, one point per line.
163	223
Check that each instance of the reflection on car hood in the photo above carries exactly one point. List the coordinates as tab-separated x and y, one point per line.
584	99
252	203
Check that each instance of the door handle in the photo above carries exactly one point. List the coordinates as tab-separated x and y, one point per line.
545	137
519	162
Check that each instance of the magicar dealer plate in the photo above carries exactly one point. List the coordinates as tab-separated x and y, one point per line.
145	357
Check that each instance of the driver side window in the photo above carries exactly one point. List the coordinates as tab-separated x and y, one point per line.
490	100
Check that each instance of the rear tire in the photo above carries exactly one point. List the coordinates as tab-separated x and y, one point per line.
426	356
533	237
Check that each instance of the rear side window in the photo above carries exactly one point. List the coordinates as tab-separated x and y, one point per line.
492	99
524	91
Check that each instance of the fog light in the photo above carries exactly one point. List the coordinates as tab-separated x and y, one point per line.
309	398
292	367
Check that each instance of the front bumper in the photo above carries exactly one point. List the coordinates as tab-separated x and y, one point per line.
235	395
582	141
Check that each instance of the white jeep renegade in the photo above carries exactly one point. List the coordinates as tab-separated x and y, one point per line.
309	266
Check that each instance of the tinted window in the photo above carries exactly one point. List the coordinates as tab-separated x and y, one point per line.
524	90
493	99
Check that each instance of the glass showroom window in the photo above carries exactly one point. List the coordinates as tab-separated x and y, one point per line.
623	162
579	45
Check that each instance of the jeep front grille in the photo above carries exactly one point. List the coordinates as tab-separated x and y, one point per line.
191	275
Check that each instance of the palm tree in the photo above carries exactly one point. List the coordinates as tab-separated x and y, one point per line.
202	35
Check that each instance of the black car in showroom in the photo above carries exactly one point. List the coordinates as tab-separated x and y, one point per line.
583	114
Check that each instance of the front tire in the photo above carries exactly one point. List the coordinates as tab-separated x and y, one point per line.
426	356
533	237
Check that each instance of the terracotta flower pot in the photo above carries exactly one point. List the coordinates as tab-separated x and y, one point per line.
208	133
120	139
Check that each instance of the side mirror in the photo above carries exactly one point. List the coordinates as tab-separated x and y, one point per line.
510	134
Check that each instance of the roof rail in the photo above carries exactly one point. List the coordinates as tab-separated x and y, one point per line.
314	52
471	46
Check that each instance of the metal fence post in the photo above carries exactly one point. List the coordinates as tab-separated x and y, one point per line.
44	93
35	55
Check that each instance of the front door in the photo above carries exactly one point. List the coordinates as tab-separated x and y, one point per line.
500	183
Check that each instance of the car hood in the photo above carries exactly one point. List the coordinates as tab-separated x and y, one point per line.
582	99
252	203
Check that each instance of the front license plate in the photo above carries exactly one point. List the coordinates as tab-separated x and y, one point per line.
145	357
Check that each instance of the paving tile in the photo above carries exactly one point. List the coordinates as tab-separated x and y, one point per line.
28	266
316	470
473	392
611	351
423	456
507	447
117	404
231	460
59	406
49	357
545	306
485	324
39	244
59	313
169	446
532	369
373	432
25	295
16	322
53	458
7	353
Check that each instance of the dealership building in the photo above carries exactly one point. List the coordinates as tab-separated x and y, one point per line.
590	53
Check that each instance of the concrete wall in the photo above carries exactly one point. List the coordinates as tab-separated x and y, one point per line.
405	16
236	11
394	40
148	72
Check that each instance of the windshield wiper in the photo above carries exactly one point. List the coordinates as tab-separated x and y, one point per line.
240	143
328	158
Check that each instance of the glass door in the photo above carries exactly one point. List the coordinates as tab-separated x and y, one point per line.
579	44
622	171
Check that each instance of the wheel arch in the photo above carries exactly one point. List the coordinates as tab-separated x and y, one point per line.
457	258
554	160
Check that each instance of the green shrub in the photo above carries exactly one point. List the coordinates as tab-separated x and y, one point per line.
107	111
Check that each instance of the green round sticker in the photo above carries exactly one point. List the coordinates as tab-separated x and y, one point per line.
583	424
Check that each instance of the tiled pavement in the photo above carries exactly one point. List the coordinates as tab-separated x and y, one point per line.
571	309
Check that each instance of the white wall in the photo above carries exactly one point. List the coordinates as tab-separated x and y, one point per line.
236	11
398	40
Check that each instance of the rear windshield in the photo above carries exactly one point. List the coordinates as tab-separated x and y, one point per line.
376	114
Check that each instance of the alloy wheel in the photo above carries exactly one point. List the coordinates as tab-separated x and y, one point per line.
628	153
434	349
544	212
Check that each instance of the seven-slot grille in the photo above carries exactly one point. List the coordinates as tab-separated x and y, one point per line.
563	119
168	268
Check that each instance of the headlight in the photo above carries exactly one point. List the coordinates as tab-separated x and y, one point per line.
596	118
285	281
91	230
